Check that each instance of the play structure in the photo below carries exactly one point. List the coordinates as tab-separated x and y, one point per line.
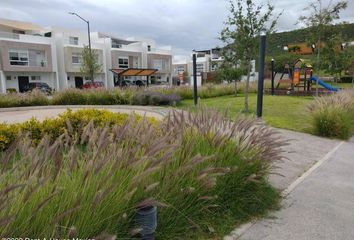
298	80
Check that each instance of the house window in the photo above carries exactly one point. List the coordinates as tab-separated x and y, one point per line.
37	58
8	78
18	31
200	67
74	40
116	44
214	67
159	64
76	58
180	69
18	57
123	62
35	78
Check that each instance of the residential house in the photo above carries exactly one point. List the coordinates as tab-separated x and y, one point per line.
30	53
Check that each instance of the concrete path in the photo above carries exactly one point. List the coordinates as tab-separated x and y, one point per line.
16	115
318	206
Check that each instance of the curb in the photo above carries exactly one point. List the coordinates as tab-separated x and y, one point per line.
158	110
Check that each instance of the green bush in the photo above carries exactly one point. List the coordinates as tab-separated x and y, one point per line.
155	99
134	96
333	116
57	126
192	166
71	96
33	98
333	123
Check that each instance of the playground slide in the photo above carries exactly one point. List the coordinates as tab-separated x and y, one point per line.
323	84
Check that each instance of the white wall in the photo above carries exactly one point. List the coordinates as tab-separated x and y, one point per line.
48	78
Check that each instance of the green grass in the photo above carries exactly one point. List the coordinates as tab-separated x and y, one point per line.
286	112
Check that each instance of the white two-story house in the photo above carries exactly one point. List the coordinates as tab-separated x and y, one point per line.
30	53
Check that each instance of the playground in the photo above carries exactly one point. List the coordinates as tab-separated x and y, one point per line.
298	79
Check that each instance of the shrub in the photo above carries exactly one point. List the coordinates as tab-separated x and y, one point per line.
71	96
333	116
91	182
155	98
33	98
68	121
132	95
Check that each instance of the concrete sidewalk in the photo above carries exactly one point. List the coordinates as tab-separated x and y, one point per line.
21	114
318	207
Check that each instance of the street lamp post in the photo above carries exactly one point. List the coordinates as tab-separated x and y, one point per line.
272	67
195	87
261	73
89	38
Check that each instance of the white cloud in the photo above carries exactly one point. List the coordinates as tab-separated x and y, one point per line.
184	24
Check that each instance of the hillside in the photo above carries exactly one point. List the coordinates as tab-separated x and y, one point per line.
277	41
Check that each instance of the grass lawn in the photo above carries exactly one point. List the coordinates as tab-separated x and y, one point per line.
278	111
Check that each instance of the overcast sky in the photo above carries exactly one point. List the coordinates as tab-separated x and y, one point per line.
183	24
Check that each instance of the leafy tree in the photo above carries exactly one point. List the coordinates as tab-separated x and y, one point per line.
244	24
90	66
337	56
229	74
319	21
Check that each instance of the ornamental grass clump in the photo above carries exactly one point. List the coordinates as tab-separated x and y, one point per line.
204	172
333	116
33	98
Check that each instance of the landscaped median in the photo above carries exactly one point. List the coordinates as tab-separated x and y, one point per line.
89	178
127	96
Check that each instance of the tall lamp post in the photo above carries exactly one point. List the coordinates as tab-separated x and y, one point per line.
272	68
88	33
195	87
262	45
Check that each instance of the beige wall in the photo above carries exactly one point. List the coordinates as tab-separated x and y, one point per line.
5	60
130	55
168	58
75	68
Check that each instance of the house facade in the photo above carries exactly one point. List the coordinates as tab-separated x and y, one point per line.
30	53
208	61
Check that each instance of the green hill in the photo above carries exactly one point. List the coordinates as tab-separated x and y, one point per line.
276	41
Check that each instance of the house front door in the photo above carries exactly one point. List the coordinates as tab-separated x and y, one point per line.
23	83
79	81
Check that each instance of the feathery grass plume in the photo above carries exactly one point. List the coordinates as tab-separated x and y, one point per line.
333	115
93	176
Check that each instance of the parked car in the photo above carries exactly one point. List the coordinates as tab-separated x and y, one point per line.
95	84
43	87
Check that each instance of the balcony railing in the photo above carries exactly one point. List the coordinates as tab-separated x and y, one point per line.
28	63
159	50
9	35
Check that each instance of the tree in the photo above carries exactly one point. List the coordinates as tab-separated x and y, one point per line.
337	56
244	24
229	74
90	66
319	21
